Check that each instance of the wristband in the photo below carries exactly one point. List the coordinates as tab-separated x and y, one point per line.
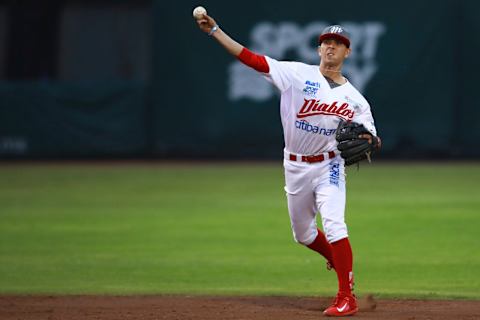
214	28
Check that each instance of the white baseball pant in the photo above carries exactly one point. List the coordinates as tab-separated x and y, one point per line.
314	188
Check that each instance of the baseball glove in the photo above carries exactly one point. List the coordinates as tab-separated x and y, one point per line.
353	142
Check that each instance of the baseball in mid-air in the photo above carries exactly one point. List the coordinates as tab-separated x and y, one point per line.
198	12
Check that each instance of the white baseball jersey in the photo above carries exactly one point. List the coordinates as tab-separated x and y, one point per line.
311	110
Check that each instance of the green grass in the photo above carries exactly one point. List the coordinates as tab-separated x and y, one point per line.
224	229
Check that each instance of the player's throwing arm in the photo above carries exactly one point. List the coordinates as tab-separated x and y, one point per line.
208	25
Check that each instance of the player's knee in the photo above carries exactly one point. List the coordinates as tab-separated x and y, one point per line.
305	238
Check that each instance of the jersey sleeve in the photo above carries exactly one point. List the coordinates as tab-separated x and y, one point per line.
365	117
281	73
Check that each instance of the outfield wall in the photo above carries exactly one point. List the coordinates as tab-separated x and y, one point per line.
180	95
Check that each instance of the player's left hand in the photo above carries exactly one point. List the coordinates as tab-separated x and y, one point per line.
355	142
377	144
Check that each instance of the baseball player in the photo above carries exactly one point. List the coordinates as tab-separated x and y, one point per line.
314	100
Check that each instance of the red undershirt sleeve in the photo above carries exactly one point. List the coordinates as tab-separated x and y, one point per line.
253	60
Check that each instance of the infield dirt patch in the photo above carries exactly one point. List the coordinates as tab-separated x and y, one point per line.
216	308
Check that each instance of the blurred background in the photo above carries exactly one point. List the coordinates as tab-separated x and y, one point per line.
137	79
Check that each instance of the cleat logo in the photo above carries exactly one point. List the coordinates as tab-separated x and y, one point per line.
342	308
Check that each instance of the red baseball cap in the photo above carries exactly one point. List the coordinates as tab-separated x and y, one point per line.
337	32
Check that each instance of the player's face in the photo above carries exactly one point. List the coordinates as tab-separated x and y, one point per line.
333	52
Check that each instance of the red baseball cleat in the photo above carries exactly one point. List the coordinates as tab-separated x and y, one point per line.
343	305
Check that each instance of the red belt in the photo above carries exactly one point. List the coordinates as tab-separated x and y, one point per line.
312	159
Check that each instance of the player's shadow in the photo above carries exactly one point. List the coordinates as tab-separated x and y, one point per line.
295	303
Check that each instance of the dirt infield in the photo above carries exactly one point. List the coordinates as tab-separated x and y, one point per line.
224	308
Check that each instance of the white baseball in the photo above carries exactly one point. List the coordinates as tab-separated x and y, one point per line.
198	12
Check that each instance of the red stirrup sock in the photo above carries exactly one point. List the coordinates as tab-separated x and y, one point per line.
343	259
322	246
